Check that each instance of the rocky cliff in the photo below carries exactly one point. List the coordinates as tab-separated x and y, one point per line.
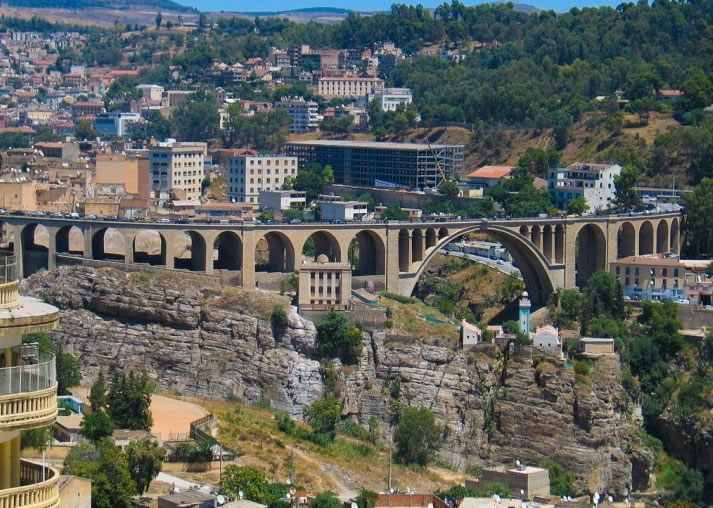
210	344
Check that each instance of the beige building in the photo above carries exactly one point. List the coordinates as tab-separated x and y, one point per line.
121	170
75	492
597	346
177	166
18	196
534	481
348	86
324	285
248	175
102	206
650	277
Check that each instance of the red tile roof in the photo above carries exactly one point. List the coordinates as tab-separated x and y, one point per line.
653	260
491	172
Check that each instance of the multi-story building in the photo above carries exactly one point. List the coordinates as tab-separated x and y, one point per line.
324	285
594	182
650	277
28	393
115	123
178	167
250	174
127	172
304	115
368	163
151	93
348	86
343	210
282	200
87	109
390	98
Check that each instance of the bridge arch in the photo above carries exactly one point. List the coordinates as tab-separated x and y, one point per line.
7	237
559	244
536	236
662	240
108	244
417	246
443	233
431	238
626	240
322	242
591	253
274	252
675	236
646	238
149	246
532	263
548	241
69	240
35	248
230	251
367	253
196	245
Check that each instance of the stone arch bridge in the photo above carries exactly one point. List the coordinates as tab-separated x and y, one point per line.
552	253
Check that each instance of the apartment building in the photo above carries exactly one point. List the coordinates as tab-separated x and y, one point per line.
87	109
177	166
594	182
650	277
250	174
391	98
122	171
304	115
348	86
372	163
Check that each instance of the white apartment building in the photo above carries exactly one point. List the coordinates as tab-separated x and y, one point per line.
177	166
348	86
282	200
150	93
248	175
593	181
390	98
343	210
304	114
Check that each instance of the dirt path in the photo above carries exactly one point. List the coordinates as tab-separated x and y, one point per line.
342	490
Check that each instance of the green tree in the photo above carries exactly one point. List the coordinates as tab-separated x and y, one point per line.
158	19
67	366
336	336
691	486
248	479
108	469
84	130
561	481
145	458
279	318
323	416
129	401
327	499
699	220
625	183
571	303
327	174
417	436
709	269
38	438
196	120
698	91
366	498
578	206
96	426
448	188
97	394
394	212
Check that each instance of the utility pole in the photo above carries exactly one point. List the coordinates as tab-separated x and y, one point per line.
391	448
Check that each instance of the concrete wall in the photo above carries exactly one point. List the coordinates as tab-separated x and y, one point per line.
388	197
692	317
75	492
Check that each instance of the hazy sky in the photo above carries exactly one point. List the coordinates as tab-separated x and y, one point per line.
363	5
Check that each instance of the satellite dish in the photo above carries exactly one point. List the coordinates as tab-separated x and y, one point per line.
292	491
220	499
522	492
289	482
240	494
496	498
392	490
611	499
517	463
354	505
288	496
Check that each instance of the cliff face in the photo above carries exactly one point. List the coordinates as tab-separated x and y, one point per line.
194	343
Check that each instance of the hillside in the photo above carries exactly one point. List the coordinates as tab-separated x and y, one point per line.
162	5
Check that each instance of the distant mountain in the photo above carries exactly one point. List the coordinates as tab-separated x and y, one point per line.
303	11
166	5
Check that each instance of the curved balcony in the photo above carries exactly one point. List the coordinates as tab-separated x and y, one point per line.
28	394
39	488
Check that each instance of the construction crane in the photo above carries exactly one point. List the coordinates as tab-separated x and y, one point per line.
438	164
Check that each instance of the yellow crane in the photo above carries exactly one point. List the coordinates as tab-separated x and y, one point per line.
438	164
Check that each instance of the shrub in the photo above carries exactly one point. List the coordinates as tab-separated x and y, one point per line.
581	368
561	481
398	298
279	318
336	335
285	423
323	417
417	436
395	387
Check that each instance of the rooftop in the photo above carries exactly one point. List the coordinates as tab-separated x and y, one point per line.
383	145
189	496
491	172
649	260
71	422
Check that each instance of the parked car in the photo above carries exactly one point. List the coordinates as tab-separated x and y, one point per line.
57	215
164	220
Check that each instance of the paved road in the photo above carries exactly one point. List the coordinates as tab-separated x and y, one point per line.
505	267
176	481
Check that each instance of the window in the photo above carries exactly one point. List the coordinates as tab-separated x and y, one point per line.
636	271
664	272
626	281
627	270
675	272
618	268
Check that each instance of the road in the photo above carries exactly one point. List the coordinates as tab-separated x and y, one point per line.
506	267
176	481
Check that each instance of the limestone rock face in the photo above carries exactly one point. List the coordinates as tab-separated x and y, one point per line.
491	412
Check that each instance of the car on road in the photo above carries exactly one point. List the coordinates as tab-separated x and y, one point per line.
3	211
500	262
57	215
295	221
91	217
164	220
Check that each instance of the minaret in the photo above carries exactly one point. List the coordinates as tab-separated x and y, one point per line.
524	314
28	393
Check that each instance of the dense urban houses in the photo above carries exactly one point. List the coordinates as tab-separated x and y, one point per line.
371	163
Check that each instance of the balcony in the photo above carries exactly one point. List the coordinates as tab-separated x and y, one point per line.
28	393
39	488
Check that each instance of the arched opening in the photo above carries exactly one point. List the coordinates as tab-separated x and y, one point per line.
559	244
274	253
591	253
367	254
525	231
662	241
675	236
417	245
321	242
431	239
108	244
547	242
442	233
229	249
626	241
149	247
35	251
70	240
7	237
536	236
191	254
646	238
404	251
